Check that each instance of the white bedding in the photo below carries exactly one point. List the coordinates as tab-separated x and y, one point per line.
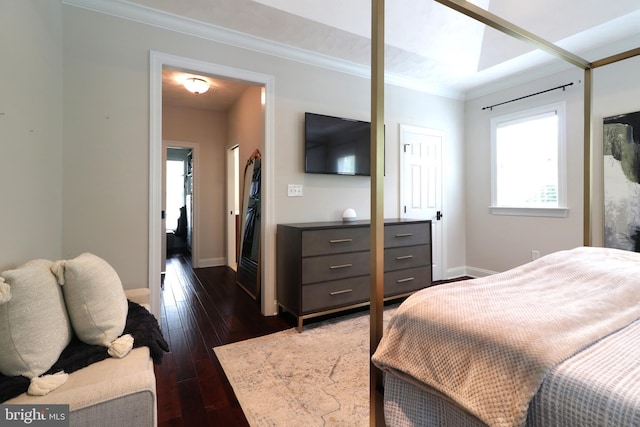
489	343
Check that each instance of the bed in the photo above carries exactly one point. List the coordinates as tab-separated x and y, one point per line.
554	342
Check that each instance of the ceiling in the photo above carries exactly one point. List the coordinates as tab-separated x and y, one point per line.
439	49
221	95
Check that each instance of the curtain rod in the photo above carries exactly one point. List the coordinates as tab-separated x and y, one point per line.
490	107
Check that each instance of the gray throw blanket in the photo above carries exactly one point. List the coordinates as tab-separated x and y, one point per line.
488	343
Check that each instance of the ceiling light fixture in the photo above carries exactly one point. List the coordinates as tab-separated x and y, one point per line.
196	85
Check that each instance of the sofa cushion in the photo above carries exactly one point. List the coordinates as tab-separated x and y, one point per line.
112	392
34	326
94	297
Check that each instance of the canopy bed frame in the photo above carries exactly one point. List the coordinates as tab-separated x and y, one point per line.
377	162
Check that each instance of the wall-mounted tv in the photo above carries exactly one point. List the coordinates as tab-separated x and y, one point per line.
335	145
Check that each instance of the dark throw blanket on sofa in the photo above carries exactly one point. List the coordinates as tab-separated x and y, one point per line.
142	326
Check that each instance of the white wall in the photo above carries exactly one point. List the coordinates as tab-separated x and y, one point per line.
30	131
497	243
106	97
74	167
105	155
327	196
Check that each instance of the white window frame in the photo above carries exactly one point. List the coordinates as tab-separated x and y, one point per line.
561	210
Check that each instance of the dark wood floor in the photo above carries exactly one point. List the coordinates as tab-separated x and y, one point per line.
196	316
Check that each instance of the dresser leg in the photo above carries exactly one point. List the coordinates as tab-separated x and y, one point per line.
299	328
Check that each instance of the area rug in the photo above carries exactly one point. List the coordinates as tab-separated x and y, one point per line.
319	377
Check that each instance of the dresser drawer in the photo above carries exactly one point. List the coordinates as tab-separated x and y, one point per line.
333	267
407	234
335	240
327	295
403	281
406	257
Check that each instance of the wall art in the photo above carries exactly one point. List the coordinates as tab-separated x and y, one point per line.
621	169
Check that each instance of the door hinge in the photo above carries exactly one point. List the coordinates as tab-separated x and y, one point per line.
439	216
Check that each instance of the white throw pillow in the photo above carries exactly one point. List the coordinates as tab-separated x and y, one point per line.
94	297
34	327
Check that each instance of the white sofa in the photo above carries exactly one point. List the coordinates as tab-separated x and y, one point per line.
112	392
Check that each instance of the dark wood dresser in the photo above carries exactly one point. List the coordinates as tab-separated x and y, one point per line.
324	267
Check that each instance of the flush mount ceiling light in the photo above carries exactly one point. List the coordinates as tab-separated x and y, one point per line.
196	85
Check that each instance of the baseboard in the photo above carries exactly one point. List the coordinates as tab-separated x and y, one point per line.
452	273
212	262
479	272
468	271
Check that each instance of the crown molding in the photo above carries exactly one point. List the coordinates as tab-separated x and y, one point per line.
168	21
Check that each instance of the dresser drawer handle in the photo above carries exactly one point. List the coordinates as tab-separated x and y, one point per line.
335	267
404	235
344	291
399	258
340	240
408	279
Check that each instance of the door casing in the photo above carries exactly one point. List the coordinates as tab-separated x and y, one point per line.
158	60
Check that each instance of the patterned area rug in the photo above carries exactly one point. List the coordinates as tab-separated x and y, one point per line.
319	377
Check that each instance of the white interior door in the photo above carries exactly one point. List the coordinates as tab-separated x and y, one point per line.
233	204
163	228
421	184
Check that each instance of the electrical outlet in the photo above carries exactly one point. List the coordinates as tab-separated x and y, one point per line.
535	254
294	190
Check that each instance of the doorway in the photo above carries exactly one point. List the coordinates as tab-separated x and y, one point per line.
158	60
179	203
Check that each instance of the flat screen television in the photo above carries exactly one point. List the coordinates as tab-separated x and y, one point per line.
335	145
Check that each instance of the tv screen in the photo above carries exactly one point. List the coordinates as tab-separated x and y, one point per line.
335	145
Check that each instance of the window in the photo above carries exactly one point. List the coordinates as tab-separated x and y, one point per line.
528	163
